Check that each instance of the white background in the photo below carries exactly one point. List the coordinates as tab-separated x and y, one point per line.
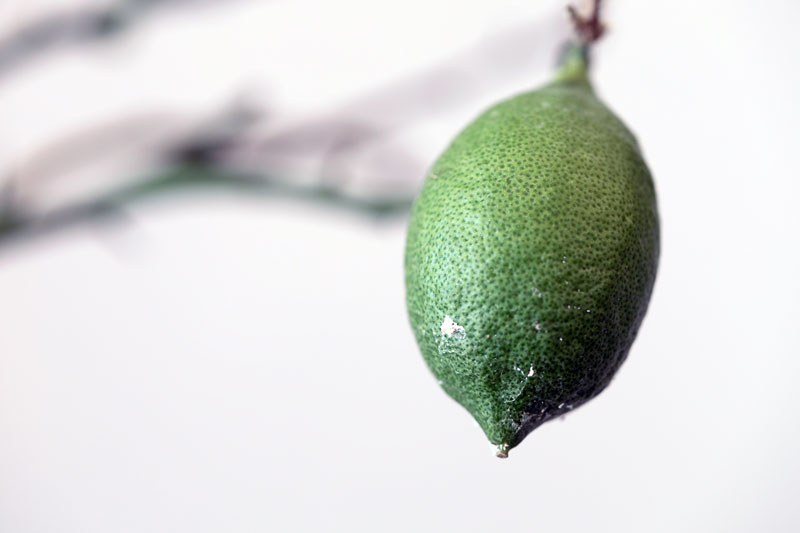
230	364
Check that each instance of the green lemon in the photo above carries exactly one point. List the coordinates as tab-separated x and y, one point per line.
531	255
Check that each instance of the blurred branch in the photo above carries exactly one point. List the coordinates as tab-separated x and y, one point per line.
78	27
319	159
16	224
220	154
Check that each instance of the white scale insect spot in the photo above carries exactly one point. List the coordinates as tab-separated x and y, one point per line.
531	372
451	329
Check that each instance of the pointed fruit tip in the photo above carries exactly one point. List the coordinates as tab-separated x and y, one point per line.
502	451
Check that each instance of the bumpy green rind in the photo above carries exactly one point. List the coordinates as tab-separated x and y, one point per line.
536	234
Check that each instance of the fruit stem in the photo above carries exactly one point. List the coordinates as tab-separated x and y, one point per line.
574	64
589	28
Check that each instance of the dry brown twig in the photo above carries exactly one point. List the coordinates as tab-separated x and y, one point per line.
589	27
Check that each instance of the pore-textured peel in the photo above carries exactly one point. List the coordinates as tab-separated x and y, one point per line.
531	254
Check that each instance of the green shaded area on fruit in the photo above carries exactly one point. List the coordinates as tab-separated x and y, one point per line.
531	255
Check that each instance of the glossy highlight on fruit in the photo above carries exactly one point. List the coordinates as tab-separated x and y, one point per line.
531	254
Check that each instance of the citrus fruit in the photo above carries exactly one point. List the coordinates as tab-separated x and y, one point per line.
531	255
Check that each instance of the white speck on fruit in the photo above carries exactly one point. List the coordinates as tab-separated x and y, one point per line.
451	329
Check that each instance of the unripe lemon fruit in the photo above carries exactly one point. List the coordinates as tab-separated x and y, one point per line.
531	255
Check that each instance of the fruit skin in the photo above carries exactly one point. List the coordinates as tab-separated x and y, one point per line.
531	255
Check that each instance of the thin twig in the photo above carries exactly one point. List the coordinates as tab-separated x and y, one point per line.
589	28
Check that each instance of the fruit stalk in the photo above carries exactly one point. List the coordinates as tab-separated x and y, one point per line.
589	28
574	60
